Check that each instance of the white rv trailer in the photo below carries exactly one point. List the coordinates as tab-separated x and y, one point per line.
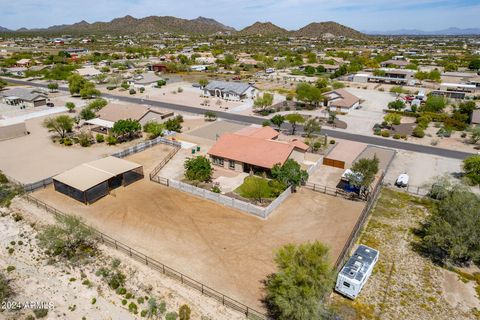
356	271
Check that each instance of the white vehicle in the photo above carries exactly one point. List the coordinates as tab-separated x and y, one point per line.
402	180
356	271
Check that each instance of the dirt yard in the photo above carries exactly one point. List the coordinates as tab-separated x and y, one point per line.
226	249
405	285
76	291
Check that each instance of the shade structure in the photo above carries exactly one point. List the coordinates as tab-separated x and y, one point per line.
90	181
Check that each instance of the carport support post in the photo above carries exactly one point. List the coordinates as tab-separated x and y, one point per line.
85	197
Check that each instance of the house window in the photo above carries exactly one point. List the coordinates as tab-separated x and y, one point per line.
218	161
346	284
231	164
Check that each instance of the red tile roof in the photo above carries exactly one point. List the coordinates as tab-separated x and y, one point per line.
258	132
259	152
299	144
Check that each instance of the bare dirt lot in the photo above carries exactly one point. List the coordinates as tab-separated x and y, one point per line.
227	250
404	284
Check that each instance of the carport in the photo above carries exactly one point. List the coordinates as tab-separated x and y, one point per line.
91	181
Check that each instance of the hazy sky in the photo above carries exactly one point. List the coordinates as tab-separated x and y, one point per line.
378	15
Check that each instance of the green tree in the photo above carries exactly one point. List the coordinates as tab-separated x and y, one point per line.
392	119
278	120
98	104
174	124
254	187
154	129
87	113
3	84
471	167
76	84
290	173
69	238
312	126
321	83
263	102
70	106
52	86
88	90
61	124
304	277
294	119
396	105
127	128
198	169
210	116
309	94
434	104
474	64
363	173
451	232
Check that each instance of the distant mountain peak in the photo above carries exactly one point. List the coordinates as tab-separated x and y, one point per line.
263	28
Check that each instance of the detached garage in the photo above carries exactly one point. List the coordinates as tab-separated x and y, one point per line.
91	181
343	154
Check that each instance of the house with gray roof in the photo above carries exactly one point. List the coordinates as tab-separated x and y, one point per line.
24	97
230	90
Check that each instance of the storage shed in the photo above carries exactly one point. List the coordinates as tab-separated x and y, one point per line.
91	181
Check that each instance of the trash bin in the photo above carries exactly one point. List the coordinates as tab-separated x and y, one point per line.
193	151
198	148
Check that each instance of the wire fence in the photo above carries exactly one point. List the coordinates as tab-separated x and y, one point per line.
225	300
145	145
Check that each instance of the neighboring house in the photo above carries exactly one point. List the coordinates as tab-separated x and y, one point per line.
458	87
396	63
112	113
23	97
254	149
157	67
341	100
235	91
25	63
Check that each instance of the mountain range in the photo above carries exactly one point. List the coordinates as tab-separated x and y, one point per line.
200	25
415	32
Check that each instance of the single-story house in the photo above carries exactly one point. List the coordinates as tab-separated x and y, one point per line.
341	100
91	181
157	67
23	97
235	91
254	150
16	71
24	63
396	63
112	113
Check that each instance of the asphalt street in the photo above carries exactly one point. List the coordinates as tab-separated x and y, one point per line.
338	134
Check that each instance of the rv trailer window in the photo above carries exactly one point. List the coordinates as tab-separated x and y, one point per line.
346	284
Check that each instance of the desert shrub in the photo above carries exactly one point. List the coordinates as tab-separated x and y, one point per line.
85	139
67	142
6	290
396	136
450	233
132	91
142	89
184	312
304	277
132	307
10	268
385	133
198	169
69	238
40	313
113	277
153	128
121	291
111	140
418	132
100	138
171	316
216	189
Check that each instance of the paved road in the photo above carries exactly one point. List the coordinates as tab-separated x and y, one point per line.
373	140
